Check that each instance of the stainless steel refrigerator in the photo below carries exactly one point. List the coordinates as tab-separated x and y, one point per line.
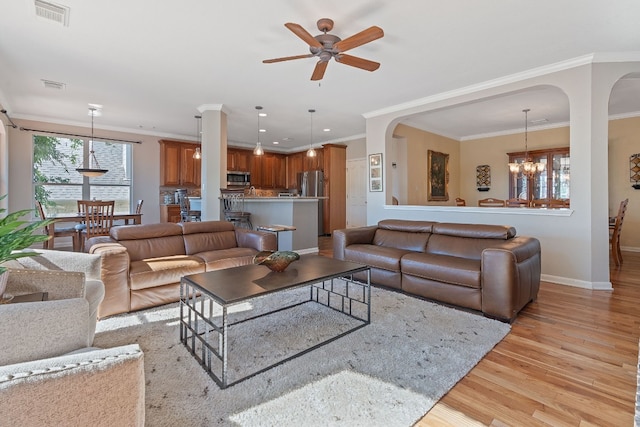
311	184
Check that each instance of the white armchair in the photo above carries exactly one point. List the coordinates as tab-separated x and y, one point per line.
60	261
49	374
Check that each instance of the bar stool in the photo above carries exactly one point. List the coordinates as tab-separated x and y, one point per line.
233	208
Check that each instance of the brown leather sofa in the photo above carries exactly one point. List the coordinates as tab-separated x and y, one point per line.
481	267
142	264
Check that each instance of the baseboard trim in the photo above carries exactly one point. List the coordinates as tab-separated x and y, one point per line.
596	286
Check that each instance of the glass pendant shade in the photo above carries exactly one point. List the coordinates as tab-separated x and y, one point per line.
198	153
94	169
258	151
311	152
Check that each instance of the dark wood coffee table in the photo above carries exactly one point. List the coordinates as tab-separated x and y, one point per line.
205	330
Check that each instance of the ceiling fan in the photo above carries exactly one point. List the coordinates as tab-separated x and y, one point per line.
326	46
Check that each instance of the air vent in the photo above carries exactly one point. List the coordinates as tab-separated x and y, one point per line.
50	84
52	12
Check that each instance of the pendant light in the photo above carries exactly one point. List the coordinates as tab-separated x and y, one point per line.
311	152
527	167
92	171
198	154
258	151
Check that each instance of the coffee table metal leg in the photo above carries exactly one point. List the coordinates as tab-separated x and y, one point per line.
225	329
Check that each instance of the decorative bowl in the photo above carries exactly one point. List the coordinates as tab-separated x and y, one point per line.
276	261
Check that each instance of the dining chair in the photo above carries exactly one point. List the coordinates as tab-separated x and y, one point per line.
490	202
57	231
517	203
98	219
614	233
460	202
233	208
139	206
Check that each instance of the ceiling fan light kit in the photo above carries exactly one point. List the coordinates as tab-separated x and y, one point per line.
326	46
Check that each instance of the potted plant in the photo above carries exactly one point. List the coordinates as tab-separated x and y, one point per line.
15	235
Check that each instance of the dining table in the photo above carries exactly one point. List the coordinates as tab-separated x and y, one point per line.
127	218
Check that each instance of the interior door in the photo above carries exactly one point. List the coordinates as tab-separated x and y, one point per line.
356	193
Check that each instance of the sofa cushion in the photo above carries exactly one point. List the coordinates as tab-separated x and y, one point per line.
226	258
475	231
208	235
382	257
463	247
443	268
151	272
401	240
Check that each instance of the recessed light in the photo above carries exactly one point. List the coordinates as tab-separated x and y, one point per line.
287	139
326	130
276	142
262	114
262	130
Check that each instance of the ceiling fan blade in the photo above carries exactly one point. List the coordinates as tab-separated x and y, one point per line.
286	58
365	36
318	72
354	61
303	34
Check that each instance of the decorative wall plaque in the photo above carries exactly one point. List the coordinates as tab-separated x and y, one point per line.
483	177
634	170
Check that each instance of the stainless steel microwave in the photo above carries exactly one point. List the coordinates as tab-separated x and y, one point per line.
238	179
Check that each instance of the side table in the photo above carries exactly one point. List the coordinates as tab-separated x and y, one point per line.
276	229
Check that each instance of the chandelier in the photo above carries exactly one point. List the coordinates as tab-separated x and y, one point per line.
311	152
527	167
94	169
258	151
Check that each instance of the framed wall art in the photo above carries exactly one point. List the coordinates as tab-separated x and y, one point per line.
438	176
375	172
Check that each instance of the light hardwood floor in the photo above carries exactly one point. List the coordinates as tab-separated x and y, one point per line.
570	360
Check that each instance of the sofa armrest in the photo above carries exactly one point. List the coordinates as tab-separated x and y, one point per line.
258	240
60	260
350	236
58	284
35	330
80	389
115	276
510	277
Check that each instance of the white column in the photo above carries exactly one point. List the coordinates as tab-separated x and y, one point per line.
214	158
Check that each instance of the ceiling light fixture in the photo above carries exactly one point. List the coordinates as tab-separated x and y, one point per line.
527	167
311	152
92	171
258	151
198	154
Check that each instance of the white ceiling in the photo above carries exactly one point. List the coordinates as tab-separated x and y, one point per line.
152	63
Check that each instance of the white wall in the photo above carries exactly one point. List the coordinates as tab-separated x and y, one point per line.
575	249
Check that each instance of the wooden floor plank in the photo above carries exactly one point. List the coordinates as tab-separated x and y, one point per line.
570	360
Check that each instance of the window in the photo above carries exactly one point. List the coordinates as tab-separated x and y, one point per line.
57	184
553	183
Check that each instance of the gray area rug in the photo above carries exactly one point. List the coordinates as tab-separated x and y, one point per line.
388	373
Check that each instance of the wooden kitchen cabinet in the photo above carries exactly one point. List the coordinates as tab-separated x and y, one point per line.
335	187
294	166
314	163
170	213
239	160
269	171
177	165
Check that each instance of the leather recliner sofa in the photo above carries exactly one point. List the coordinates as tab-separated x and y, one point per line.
476	266
142	264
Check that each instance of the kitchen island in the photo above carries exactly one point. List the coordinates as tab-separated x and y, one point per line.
299	212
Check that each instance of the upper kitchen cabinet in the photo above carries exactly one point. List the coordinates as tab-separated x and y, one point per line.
269	171
314	163
239	160
177	165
